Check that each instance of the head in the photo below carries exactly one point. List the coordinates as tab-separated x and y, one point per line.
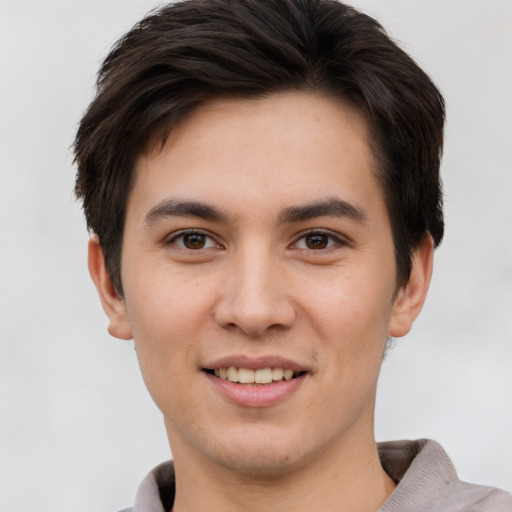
263	180
190	53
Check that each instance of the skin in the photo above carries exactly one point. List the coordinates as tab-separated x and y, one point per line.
320	291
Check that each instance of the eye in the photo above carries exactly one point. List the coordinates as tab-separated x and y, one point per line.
193	240
317	240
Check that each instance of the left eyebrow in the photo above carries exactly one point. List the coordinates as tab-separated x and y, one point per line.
331	207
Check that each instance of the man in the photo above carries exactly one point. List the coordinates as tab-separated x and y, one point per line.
262	183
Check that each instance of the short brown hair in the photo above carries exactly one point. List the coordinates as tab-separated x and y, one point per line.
189	52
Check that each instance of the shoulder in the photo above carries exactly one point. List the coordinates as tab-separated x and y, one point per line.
466	497
156	491
428	482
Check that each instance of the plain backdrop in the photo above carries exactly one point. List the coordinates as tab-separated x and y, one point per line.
78	430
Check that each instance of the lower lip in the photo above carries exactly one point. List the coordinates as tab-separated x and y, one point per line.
246	395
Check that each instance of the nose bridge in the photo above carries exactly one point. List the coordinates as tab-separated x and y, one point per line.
255	298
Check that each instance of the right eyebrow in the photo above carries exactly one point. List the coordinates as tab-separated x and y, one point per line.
181	208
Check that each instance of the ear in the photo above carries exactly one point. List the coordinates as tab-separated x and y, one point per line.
113	305
411	297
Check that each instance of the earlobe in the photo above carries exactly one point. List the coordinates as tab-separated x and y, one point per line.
411	297
113	305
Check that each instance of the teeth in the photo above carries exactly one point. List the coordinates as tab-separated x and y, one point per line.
232	374
277	374
263	376
248	376
245	376
288	374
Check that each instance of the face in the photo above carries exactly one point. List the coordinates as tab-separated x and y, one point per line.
260	282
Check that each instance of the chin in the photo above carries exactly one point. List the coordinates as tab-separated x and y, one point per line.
262	455
261	464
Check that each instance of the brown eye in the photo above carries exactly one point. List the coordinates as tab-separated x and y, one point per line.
194	241
316	241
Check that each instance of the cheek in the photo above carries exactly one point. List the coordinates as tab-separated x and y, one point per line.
165	326
352	317
165	317
163	297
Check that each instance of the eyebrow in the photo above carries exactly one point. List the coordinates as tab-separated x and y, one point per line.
331	207
179	208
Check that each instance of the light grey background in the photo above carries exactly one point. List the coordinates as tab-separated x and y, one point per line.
77	428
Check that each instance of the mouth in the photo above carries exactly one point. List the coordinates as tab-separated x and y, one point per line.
256	382
259	377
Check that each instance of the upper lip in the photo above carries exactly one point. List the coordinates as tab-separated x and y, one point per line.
255	363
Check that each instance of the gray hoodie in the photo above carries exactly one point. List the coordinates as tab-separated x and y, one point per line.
427	482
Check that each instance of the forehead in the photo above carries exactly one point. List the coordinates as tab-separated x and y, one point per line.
284	148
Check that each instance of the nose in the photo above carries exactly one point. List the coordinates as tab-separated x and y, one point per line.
255	298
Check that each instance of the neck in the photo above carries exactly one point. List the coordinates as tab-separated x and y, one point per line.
350	478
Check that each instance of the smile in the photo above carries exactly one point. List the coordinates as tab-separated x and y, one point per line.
257	388
259	376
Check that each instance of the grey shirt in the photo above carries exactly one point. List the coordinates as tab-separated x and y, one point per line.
427	482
